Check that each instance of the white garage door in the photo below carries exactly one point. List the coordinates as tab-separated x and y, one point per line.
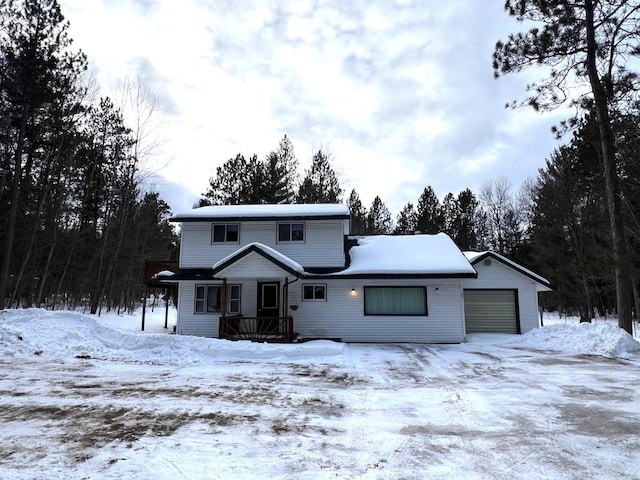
491	311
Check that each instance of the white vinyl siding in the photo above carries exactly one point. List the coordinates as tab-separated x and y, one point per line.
191	323
342	316
253	266
323	244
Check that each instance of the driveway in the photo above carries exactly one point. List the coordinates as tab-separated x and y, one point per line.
471	411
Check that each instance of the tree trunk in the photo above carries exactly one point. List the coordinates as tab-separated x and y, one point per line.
636	300
608	153
13	210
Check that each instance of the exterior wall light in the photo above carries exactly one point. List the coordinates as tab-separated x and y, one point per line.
354	292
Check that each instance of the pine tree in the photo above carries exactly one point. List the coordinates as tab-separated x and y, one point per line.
238	181
281	174
406	220
379	218
569	229
428	214
450	211
320	184
464	225
357	213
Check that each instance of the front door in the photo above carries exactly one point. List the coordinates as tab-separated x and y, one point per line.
268	306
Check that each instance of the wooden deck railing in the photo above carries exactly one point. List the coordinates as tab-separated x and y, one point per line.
257	329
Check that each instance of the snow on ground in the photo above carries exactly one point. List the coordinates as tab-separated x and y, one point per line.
94	398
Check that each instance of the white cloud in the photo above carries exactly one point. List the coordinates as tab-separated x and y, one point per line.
402	93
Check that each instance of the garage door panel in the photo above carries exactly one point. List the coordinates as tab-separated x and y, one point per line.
490	311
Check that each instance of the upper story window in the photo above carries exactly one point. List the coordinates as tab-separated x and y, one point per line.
290	232
225	233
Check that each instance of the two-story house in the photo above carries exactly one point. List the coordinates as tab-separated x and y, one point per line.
279	272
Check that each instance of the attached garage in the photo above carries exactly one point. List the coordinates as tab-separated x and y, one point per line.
504	296
491	311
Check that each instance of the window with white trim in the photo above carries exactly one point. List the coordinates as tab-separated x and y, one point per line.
225	233
290	232
395	301
314	292
208	299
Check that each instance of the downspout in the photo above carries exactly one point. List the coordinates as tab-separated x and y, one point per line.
289	321
285	294
222	326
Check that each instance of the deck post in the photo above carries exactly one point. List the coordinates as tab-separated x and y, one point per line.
166	308
285	298
289	329
144	307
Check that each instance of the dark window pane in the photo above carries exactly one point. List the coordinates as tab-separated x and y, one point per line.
213	299
319	292
307	292
218	233
284	232
234	292
232	233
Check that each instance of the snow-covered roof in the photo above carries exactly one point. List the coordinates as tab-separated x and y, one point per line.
264	212
429	255
475	257
265	251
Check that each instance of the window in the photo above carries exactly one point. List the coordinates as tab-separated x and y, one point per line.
314	293
395	301
291	232
209	299
225	233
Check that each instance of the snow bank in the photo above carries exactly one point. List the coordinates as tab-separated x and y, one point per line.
66	334
600	338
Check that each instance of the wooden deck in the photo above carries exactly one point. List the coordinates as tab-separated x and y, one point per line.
257	329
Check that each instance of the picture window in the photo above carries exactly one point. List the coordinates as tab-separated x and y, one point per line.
395	301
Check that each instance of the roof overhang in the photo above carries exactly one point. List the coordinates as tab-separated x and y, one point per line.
543	284
185	274
281	261
392	276
273	218
266	212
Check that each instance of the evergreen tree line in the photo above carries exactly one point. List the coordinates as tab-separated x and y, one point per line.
75	226
493	220
273	180
570	230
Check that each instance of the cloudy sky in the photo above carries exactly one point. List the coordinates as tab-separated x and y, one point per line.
401	92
